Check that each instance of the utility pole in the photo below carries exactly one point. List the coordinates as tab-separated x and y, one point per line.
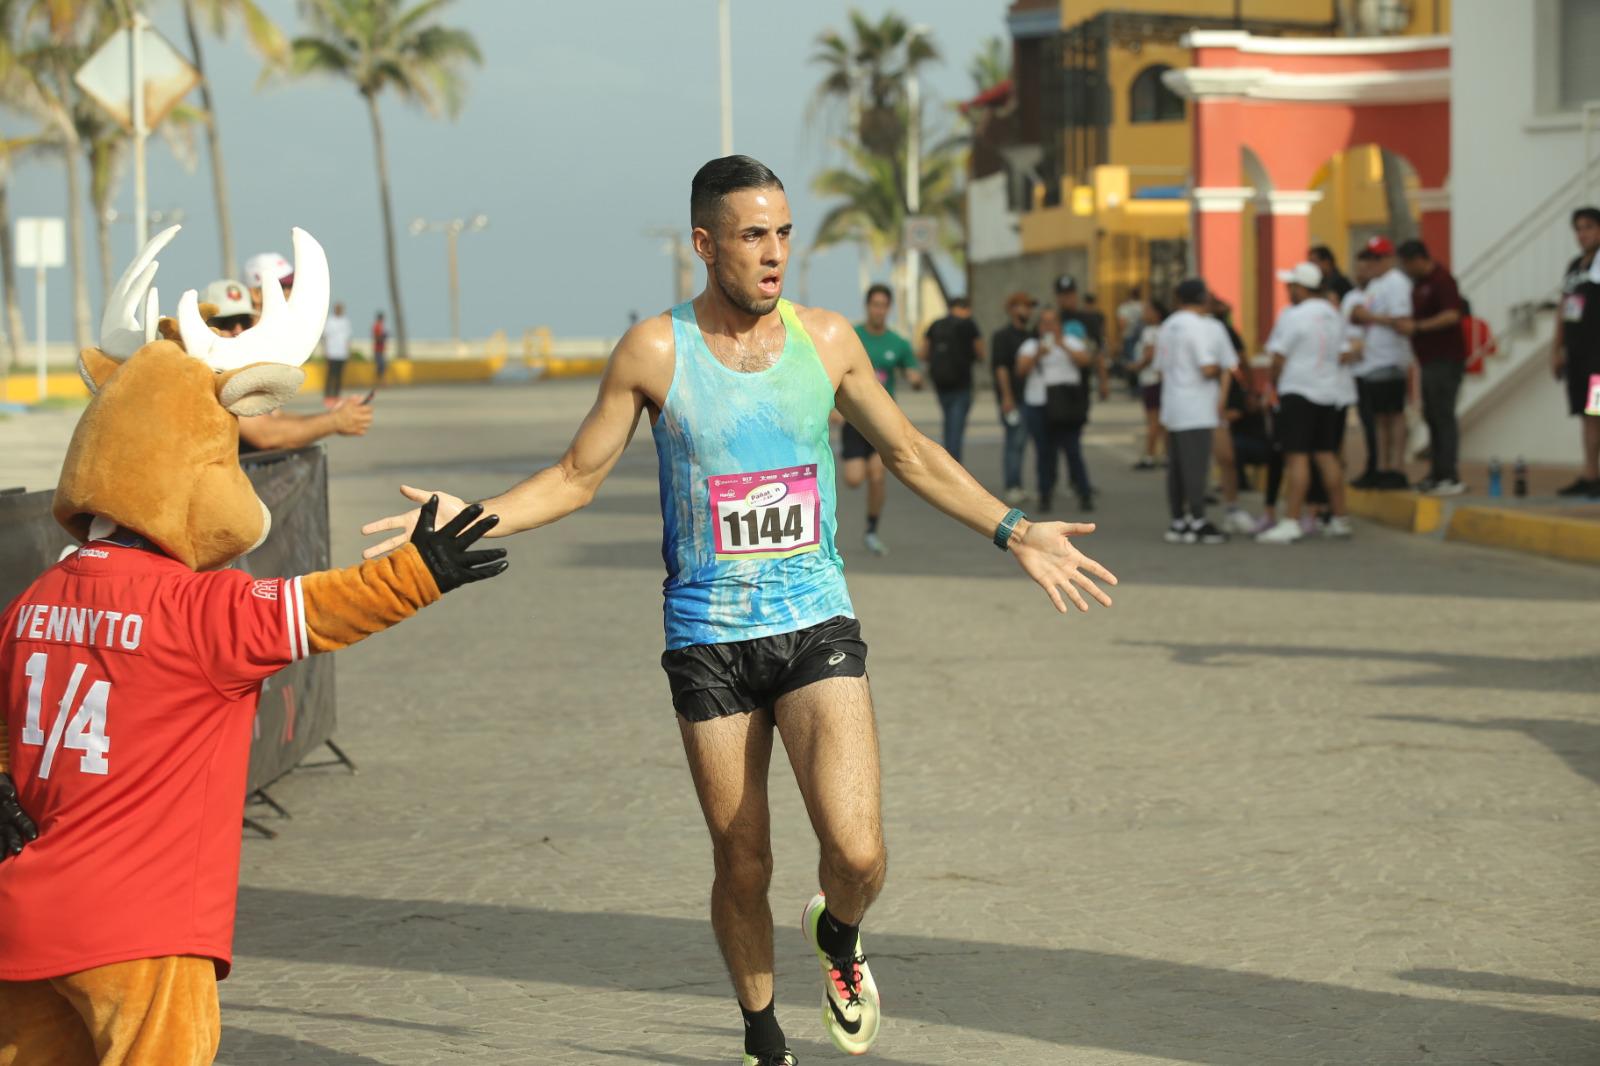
452	230
141	191
725	32
913	198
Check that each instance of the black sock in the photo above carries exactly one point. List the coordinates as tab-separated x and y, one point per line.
872	523
762	1035
835	937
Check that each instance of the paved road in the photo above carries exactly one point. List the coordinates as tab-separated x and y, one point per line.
1335	803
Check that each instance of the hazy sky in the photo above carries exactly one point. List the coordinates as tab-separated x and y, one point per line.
581	130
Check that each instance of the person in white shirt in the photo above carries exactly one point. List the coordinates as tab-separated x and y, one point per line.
1355	341
1191	352
1309	357
1382	373
1148	380
1055	403
336	349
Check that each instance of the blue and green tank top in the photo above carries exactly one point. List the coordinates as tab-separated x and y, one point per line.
747	492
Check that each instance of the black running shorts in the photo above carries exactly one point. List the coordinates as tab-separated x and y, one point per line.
1579	369
1305	427
855	446
713	680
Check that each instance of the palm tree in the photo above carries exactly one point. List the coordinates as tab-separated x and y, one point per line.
868	74
378	45
869	206
270	42
991	66
48	41
15	332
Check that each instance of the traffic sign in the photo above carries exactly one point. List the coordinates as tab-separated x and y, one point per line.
167	76
921	233
41	243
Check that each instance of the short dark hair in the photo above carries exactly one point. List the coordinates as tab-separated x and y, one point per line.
959	301
1412	249
1161	308
880	287
1191	291
717	179
1134	292
1321	251
1591	213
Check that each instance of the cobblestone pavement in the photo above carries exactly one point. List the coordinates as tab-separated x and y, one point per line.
1335	803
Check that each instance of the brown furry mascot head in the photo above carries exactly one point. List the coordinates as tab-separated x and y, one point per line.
157	449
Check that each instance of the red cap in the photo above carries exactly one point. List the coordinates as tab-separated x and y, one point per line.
1380	246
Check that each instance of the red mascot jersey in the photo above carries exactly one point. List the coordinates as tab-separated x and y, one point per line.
129	684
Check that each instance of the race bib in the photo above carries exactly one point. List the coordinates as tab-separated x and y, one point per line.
1572	307
1593	407
770	514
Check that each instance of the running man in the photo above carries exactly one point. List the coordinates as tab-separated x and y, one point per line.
738	384
890	354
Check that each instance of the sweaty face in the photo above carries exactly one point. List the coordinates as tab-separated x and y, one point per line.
877	311
1587	230
751	249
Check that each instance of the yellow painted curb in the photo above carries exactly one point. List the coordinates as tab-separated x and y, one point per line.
361	374
1542	534
1409	511
58	384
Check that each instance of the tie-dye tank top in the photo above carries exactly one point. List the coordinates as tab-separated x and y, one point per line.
747	492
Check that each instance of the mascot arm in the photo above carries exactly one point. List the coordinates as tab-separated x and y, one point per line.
344	606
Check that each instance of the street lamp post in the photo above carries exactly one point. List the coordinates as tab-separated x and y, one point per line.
725	55
452	230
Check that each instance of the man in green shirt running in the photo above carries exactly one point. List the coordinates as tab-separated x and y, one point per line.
889	353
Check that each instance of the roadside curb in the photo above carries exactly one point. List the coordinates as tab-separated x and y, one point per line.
1555	536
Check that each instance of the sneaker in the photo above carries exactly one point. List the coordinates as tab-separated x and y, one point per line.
875	544
1392	479
1238	520
1427	485
1287	531
1581	487
849	995
1308	524
1264	523
1086	501
1045	503
1448	486
776	1058
1338	526
1206	533
1145	463
1369	480
1176	532
1015	496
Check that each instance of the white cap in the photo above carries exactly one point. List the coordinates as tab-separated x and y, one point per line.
267	265
1306	275
231	298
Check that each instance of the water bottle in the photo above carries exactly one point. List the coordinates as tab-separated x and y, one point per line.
1519	484
1494	477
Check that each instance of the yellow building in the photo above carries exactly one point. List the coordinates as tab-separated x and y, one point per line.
1110	184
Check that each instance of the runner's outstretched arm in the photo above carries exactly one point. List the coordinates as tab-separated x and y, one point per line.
1043	549
638	364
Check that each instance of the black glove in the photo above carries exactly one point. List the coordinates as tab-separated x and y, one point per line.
16	828
444	551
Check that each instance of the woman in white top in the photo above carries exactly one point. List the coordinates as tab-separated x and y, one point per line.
1144	364
1057	359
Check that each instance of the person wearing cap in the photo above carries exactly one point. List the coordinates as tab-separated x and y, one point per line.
1308	355
1003	348
279	429
336	350
1434	326
1385	364
234	312
1071	309
267	265
1190	354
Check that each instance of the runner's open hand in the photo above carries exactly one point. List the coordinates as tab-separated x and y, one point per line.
16	828
449	507
445	550
1046	554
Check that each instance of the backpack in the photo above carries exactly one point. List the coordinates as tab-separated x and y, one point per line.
949	360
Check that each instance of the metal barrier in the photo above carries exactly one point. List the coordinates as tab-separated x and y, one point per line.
295	713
